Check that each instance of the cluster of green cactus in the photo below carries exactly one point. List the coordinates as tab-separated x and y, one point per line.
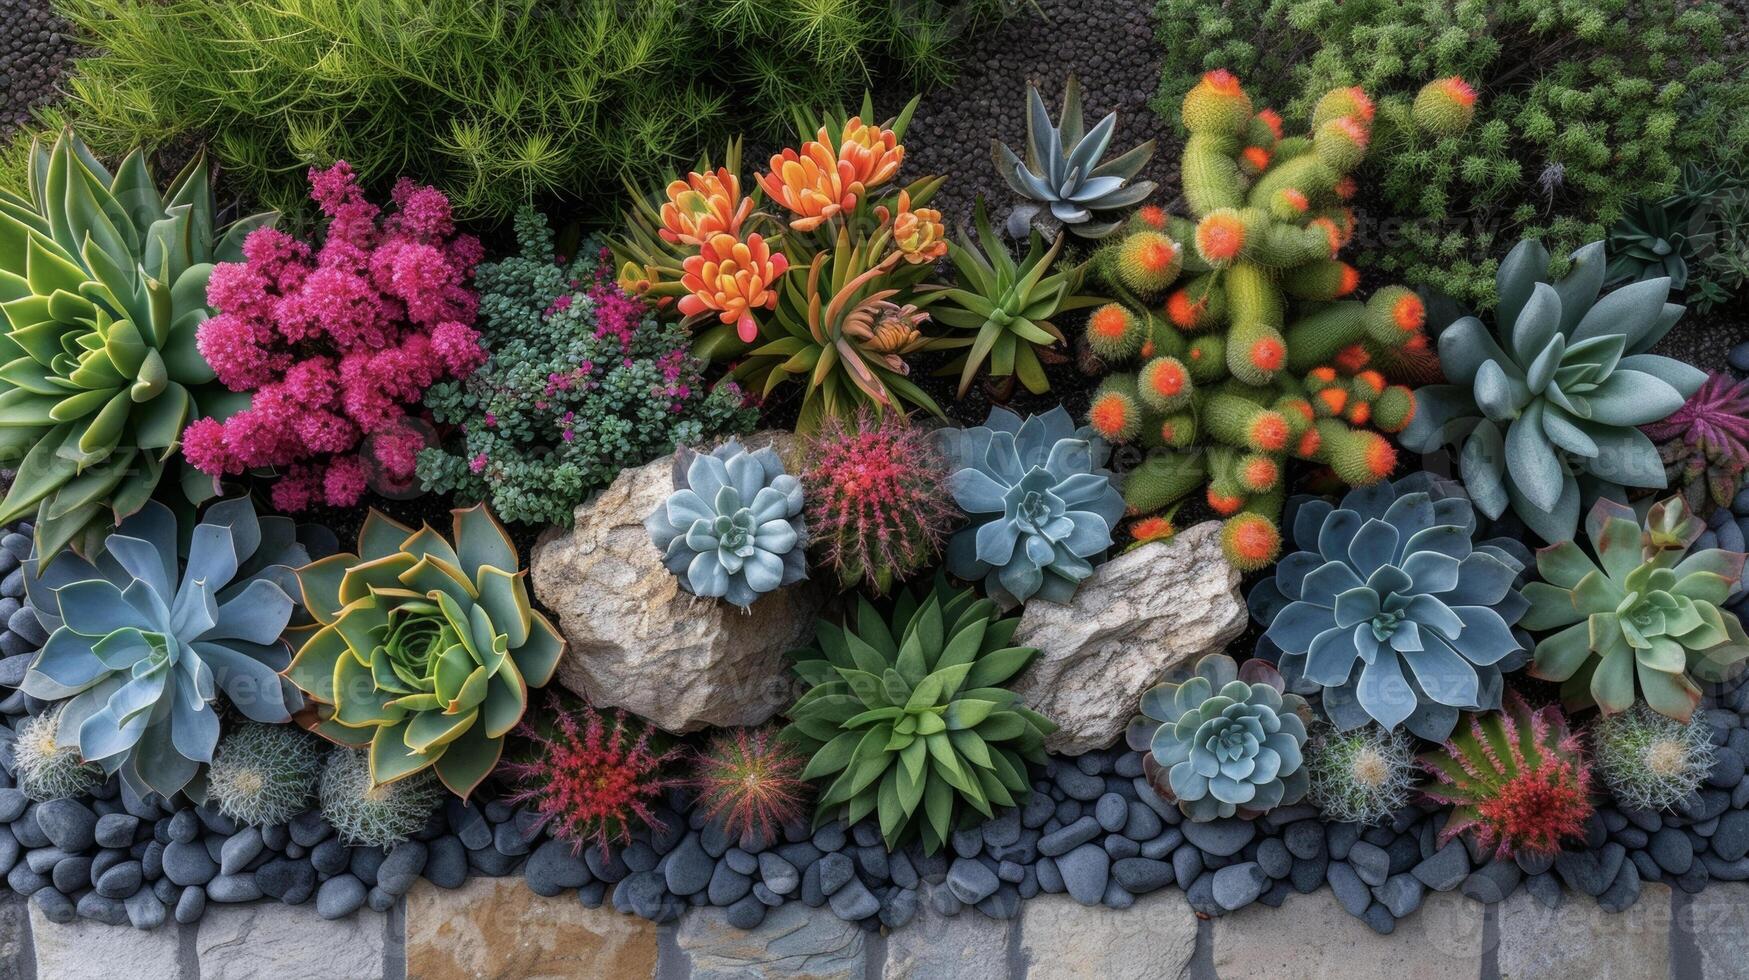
1246	345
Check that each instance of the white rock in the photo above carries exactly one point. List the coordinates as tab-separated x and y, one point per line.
1151	940
639	641
87	950
793	941
967	946
1141	614
267	939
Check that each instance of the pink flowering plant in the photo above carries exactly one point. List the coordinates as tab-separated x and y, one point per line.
583	380
336	342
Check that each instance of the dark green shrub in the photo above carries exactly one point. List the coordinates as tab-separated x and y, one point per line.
1586	105
582	381
489	100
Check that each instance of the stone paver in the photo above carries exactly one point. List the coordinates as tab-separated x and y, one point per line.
86	950
794	941
14	938
1151	940
497	928
1717	922
1578	939
1311	937
968	946
239	942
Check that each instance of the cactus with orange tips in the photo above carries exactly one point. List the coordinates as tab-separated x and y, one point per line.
1115	332
1445	106
1148	262
1113	414
1269	350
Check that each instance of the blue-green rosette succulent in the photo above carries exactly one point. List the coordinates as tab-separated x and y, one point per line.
1391	610
1545	406
143	644
1041	503
733	528
1226	742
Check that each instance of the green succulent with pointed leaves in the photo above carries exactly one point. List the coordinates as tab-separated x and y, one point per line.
427	648
1645	609
103	286
904	717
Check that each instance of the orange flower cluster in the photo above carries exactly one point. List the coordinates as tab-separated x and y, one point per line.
819	183
733	278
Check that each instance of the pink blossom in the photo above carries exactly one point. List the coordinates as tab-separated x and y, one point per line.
344	482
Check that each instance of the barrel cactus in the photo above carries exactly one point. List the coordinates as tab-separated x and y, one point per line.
906	719
733	527
103	282
143	644
1545	408
1226	742
1062	174
1392	610
1645	608
426	648
1041	502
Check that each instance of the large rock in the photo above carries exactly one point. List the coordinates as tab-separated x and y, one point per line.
1312	936
793	941
1152	940
496	929
267	939
639	641
1140	615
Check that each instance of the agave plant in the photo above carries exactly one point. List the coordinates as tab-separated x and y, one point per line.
1391	610
426	648
1546	414
905	719
733	527
1645	609
1008	304
1062	171
1516	780
1705	443
1657	237
143	644
1226	742
103	284
1041	503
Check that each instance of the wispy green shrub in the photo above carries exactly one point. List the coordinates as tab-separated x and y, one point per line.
489	100
1585	106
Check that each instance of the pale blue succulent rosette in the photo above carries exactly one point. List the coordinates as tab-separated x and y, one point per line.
1544	407
142	645
1064	172
733	527
1041	504
1226	742
1391	611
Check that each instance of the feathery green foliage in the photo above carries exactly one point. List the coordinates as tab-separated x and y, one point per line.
1583	109
489	100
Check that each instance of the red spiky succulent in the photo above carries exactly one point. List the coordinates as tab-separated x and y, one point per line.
876	499
593	779
1516	779
1705	443
751	780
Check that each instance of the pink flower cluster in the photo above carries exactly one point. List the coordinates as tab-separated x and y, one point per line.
336	342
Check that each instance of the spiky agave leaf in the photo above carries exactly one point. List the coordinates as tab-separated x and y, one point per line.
426	647
904	717
1065	171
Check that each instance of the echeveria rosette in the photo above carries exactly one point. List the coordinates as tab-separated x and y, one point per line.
143	645
1644	610
1041	503
1226	742
1391	610
733	528
904	716
1545	408
103	284
426	649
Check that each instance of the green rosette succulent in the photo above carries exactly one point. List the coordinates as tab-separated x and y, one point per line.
1226	742
426	648
1545	408
1645	609
904	718
103	286
144	642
